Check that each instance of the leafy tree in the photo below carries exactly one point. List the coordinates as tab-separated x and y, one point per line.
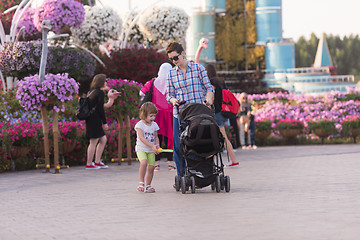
236	32
345	53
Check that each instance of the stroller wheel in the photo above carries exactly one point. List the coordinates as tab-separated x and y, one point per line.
222	181
192	179
183	185
227	184
217	184
177	183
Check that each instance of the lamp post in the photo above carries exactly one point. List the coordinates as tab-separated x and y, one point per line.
45	26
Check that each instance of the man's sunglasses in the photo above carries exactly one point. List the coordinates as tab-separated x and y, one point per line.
174	58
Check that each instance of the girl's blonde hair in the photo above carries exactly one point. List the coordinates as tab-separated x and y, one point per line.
147	109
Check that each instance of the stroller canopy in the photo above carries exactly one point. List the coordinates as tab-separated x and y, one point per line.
195	109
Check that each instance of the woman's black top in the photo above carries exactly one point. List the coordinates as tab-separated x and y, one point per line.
97	119
218	98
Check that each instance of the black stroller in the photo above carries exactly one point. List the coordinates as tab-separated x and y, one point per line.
201	143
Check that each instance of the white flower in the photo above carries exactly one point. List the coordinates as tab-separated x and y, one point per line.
165	24
100	25
135	35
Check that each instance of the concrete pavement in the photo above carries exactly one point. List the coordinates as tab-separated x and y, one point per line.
287	192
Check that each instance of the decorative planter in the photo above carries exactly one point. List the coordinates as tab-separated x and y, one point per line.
19	151
38	150
263	134
49	102
67	147
321	133
354	132
289	133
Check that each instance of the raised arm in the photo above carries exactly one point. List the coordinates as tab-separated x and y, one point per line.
203	43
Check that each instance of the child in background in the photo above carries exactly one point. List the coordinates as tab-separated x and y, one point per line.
252	132
147	145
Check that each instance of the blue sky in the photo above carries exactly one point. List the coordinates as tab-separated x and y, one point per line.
300	17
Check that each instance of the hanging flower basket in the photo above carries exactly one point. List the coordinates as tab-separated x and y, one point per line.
53	91
60	13
50	102
67	146
165	24
354	132
289	133
100	25
321	133
263	134
19	151
38	149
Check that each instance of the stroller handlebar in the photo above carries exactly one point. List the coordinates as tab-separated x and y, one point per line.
179	104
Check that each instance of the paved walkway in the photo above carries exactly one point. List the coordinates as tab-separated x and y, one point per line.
279	193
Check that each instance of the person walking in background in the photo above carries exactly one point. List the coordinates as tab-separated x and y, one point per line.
96	123
252	132
211	72
147	145
164	116
220	119
244	112
187	81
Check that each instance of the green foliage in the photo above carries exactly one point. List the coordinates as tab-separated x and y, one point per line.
345	53
289	124
350	123
140	65
325	125
127	103
234	31
263	125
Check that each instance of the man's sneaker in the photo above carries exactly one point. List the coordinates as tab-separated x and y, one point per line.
254	147
232	165
92	166
101	165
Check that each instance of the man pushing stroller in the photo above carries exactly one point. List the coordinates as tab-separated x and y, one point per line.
189	82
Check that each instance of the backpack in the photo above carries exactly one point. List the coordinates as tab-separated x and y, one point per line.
230	105
83	111
148	95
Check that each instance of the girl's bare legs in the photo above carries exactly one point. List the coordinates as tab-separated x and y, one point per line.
149	175
100	148
142	170
228	146
91	150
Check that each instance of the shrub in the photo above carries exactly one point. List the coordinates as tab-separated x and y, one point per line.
263	125
289	124
325	125
140	65
348	124
126	104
